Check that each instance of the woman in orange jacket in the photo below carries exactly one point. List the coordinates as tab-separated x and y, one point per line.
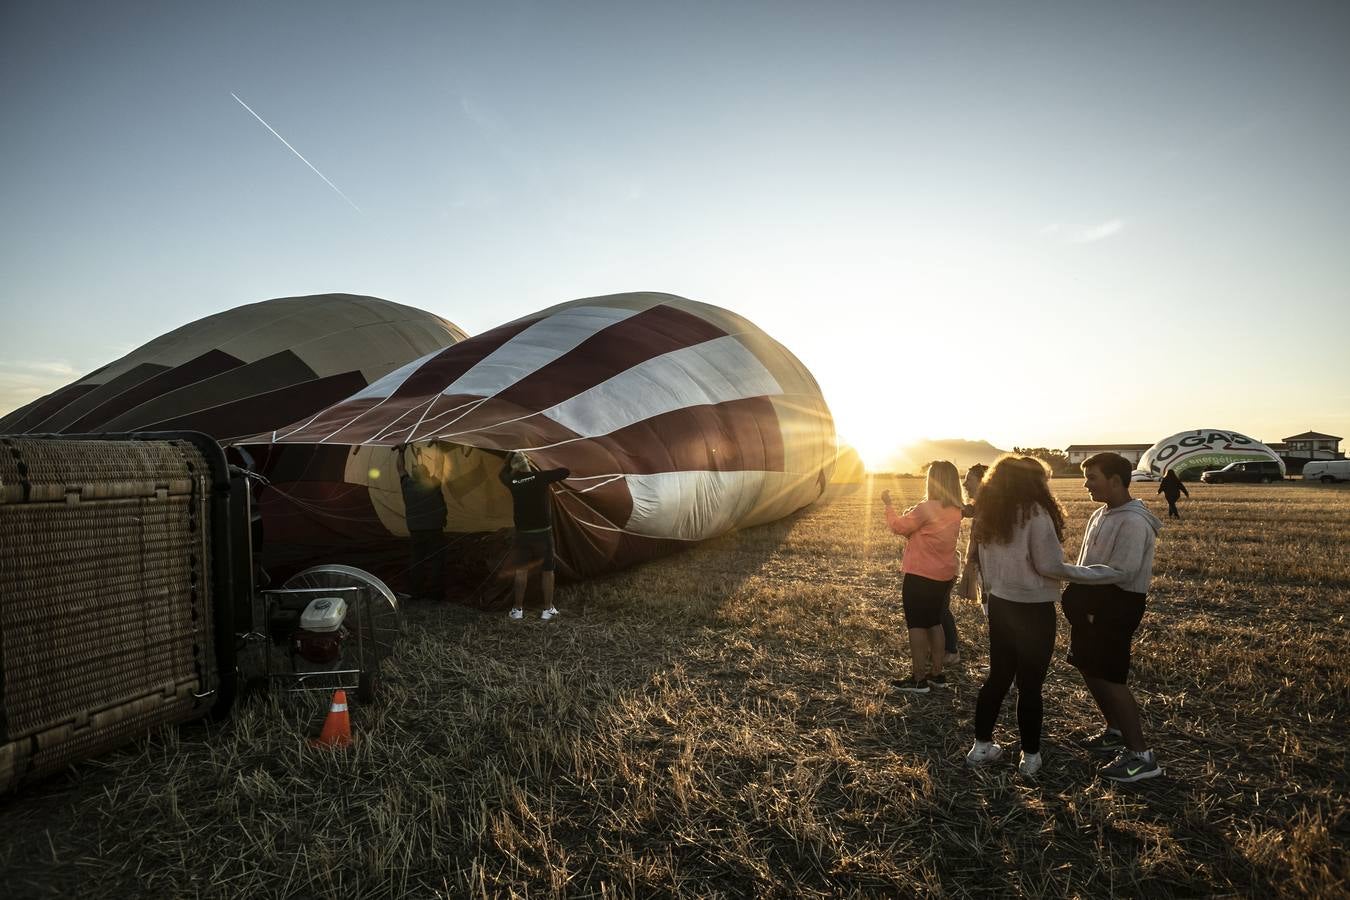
929	569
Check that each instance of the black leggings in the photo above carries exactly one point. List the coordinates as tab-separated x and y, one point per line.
949	628
1021	642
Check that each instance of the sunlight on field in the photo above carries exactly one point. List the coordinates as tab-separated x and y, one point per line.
723	722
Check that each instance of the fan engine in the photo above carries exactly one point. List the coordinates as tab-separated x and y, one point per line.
329	627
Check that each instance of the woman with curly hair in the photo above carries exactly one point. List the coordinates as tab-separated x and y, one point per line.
1019	526
929	569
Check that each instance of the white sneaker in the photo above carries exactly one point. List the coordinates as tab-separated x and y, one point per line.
983	753
517	613
1030	764
550	613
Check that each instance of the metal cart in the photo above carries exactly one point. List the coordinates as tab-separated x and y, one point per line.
327	627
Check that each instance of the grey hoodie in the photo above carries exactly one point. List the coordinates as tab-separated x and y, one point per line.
1122	538
1030	567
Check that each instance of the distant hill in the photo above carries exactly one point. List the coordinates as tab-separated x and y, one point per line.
913	457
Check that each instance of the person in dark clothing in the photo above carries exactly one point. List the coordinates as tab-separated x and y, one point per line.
1172	489
966	583
254	482
424	509
533	543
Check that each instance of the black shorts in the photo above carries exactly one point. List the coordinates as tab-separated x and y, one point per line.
532	547
924	600
1102	621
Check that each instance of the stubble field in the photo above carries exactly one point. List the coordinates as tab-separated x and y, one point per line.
723	723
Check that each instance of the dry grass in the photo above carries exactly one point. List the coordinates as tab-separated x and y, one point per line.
721	723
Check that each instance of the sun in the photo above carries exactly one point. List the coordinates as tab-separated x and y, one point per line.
881	416
877	440
887	425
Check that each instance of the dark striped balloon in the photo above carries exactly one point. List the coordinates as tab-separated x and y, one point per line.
678	421
242	371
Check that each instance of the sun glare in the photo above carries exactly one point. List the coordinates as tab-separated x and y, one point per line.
876	425
877	441
880	414
873	454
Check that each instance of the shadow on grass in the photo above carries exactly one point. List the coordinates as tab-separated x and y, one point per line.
479	717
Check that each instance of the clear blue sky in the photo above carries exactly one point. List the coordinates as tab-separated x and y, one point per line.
1031	223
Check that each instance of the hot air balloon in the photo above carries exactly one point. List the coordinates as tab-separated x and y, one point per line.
677	420
244	370
1190	453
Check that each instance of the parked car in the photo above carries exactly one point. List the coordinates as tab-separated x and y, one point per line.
1327	470
1256	470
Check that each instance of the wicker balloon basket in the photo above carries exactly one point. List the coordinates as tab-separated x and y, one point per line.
116	599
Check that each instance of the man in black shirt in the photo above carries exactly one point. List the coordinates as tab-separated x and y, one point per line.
424	508
533	543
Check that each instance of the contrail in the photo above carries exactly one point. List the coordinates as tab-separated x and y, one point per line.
296	152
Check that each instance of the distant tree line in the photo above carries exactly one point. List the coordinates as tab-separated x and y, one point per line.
1057	460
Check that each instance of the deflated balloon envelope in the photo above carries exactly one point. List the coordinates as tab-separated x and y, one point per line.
678	421
242	371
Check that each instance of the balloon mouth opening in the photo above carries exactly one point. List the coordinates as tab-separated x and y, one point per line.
345	505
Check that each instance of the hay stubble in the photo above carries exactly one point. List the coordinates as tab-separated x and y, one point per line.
722	723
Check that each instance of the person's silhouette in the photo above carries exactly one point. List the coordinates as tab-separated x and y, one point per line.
424	509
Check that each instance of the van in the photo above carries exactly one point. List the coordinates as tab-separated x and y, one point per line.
1327	470
1255	470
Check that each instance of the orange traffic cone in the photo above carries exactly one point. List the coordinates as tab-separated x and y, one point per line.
337	728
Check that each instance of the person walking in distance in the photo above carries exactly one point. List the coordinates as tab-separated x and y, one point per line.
1103	618
1172	489
532	546
1018	531
424	510
929	569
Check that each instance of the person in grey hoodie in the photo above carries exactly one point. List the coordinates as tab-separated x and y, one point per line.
1103	618
1018	528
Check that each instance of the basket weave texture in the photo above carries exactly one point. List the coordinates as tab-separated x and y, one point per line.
105	606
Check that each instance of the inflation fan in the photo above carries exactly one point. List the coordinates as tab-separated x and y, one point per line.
328	627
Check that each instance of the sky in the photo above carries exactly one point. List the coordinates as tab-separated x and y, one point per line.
1035	223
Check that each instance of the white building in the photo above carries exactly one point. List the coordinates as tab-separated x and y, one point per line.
1079	452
